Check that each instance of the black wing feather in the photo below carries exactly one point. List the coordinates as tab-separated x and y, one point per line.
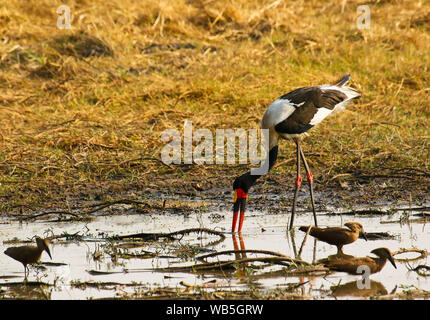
307	100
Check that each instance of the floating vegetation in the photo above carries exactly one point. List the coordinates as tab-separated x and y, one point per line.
234	264
378	236
240	252
422	254
422	270
177	235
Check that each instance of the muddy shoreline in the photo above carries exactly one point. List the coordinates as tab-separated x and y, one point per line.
176	195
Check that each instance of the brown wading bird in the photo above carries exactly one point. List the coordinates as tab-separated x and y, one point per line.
351	265
29	254
290	117
337	236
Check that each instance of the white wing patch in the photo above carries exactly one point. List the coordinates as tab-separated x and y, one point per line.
320	115
277	112
348	91
298	105
340	106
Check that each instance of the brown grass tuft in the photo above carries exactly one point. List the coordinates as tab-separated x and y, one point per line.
81	45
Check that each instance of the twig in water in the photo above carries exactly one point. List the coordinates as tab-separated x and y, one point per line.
304	240
171	235
423	254
49	213
239	251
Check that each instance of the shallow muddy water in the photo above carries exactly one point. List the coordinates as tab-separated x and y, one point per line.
79	262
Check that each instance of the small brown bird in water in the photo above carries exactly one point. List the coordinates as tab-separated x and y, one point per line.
351	265
337	236
29	254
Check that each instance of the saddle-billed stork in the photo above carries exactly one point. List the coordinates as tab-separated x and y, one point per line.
290	117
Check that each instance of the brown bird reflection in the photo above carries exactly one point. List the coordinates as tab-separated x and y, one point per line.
351	264
27	291
337	236
29	254
351	289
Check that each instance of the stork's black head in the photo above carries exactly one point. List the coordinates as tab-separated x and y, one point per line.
243	182
241	186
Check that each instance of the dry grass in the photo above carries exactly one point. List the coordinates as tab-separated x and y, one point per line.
83	109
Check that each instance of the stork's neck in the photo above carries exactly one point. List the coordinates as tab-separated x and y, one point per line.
273	155
249	179
273	139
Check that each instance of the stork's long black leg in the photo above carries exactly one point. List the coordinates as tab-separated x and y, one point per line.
298	183
309	174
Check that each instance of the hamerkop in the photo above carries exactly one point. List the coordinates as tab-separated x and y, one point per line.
351	265
29	254
337	236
